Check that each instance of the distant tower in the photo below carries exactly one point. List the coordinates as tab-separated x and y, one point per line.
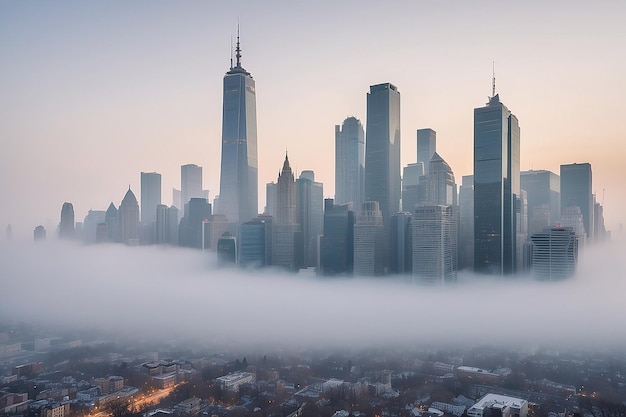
543	191
255	242
426	147
382	149
90	225
239	186
128	219
555	253
39	233
576	190
369	247
466	223
310	214
227	250
110	218
285	243
349	162
190	184
433	249
66	226
172	220
441	183
400	244
496	187
411	175
197	210
150	199
162	228
337	243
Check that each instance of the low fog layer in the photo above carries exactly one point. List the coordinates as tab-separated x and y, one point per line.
166	293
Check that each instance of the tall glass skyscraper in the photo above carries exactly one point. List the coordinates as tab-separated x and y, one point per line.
496	187
576	191
426	146
349	162
382	149
239	188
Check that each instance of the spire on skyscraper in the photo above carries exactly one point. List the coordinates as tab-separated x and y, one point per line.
238	49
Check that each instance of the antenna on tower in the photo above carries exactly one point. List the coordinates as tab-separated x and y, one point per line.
493	85
231	51
238	49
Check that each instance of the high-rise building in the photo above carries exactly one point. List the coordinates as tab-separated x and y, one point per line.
543	191
441	184
382	149
572	218
128	219
433	249
110	218
190	184
162	227
349	162
66	226
310	214
39	233
369	250
90	225
239	186
411	175
286	238
213	228
337	243
400	244
271	199
255	242
190	228
426	147
150	199
554	254
576	191
173	225
466	223
227	250
496	187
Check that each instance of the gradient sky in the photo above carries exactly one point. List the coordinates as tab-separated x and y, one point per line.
93	93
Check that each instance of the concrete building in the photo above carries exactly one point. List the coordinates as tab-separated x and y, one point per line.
337	243
369	250
128	219
433	245
555	253
504	406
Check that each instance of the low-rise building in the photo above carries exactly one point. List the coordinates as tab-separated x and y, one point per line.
505	406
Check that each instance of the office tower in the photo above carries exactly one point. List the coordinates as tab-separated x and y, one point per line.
239	186
521	231
496	187
543	190
150	199
411	175
66	226
441	184
433	250
369	250
310	214
176	198
382	149
162	226
213	228
337	243
286	239
226	250
555	253
271	199
349	162
190	232
572	218
599	228
426	147
255	242
466	222
128	219
173	225
90	225
39	233
110	218
401	244
190	185
576	191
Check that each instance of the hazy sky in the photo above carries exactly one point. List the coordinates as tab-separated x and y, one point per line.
93	93
172	293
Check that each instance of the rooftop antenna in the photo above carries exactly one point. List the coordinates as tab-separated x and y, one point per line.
493	85
231	51
238	49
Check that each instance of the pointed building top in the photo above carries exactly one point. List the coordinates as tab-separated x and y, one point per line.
493	83
237	69
238	49
129	198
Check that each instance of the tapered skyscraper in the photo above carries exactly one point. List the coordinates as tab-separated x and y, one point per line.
382	149
239	174
349	162
496	187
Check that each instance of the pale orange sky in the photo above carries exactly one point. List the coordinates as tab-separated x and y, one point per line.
95	93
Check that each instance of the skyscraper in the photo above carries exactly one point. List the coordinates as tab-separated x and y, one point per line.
441	184
555	253
382	149
150	199
337	244
255	242
66	226
411	175
496	187
576	191
286	240
543	191
310	214
369	250
349	162
426	146
190	185
128	219
239	187
466	223
433	249
110	218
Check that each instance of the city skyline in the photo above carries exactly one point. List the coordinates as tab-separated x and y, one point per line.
79	101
